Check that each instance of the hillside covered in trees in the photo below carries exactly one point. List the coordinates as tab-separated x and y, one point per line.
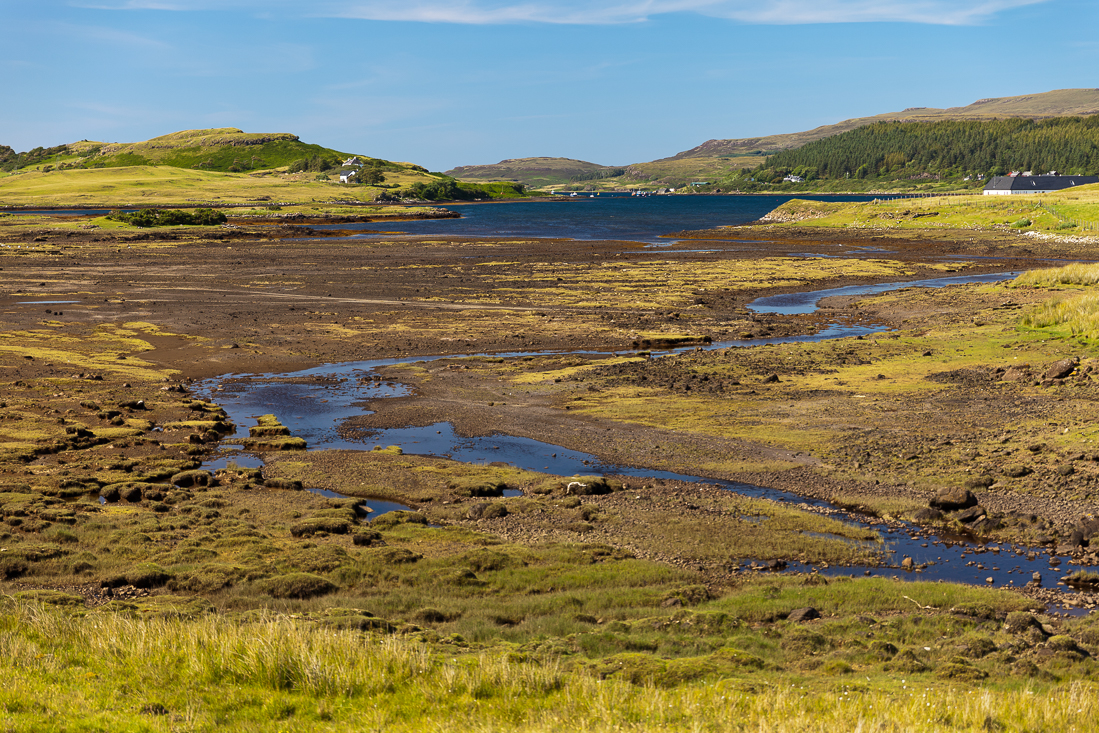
950	149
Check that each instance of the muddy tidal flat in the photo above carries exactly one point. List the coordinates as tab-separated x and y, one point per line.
187	426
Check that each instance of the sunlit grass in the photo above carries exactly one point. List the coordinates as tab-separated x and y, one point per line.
1046	212
97	671
1077	273
1079	315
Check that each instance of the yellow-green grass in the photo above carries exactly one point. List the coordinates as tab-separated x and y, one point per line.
667	283
1076	274
173	667
1066	314
811	373
1002	213
1076	316
164	185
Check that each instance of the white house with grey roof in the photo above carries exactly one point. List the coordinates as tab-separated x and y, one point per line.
1008	185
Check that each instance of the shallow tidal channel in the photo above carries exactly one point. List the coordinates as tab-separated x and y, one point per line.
313	403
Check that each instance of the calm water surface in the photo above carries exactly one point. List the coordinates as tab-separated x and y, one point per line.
637	219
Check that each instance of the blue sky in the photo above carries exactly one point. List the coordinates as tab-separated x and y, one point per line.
446	83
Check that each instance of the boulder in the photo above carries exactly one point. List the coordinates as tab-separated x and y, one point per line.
1061	369
1088	526
971	515
927	514
487	511
1016	374
803	614
952	499
980	482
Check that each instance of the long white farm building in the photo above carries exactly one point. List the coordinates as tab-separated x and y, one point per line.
1007	185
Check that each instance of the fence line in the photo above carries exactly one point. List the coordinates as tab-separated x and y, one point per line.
1082	224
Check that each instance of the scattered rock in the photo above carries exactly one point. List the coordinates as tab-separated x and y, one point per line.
927	514
1061	369
952	499
803	614
971	515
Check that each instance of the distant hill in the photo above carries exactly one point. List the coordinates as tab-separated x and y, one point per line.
537	172
959	151
1060	103
716	160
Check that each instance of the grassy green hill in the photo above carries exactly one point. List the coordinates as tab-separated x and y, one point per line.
224	149
537	172
222	165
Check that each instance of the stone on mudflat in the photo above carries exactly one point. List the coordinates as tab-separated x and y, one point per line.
927	514
1061	369
951	499
970	515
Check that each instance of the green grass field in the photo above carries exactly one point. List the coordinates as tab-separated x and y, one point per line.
169	186
1074	211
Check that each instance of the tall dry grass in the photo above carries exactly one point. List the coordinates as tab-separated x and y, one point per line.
100	671
1077	273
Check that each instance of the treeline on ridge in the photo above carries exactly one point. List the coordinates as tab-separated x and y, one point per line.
598	175
897	150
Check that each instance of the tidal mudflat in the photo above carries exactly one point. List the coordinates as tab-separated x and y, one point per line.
528	583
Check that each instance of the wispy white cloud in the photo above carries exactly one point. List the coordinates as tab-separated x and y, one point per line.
600	12
135	5
589	12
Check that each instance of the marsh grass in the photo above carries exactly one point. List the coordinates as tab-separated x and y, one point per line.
879	506
1077	273
101	670
954	212
1075	315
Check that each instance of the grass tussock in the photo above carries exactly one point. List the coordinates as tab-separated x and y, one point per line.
1078	315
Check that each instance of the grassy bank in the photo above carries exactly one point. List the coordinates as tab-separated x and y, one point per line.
1071	212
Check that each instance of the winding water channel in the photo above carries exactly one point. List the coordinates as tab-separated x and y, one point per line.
314	402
